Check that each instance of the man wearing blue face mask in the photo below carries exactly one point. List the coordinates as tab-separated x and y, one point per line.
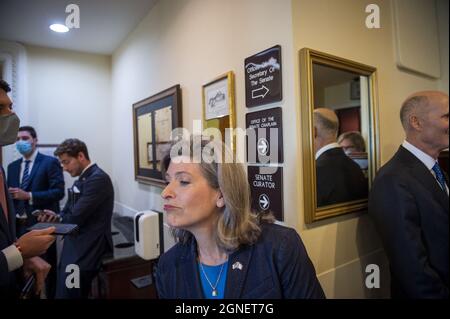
17	255
35	182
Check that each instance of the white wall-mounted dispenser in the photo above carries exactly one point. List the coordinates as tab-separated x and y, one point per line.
146	234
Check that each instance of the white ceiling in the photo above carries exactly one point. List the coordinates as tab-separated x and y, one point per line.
104	24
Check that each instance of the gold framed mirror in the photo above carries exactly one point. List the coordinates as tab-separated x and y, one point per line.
339	118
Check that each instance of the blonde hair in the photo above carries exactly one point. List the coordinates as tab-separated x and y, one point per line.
356	138
237	224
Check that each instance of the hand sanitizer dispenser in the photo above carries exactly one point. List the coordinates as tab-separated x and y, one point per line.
146	234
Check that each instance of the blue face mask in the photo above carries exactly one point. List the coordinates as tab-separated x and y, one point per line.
24	147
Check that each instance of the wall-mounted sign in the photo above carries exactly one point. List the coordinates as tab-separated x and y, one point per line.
266	185
263	77
266	145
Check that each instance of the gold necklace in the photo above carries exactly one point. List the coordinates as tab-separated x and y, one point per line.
214	288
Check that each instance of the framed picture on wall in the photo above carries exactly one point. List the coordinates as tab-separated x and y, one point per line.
47	149
154	119
219	106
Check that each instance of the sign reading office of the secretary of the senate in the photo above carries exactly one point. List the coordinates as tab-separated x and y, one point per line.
263	77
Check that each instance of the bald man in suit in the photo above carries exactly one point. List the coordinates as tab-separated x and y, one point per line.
339	179
409	201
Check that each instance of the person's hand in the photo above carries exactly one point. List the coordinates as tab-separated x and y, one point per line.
36	242
48	216
40	268
20	194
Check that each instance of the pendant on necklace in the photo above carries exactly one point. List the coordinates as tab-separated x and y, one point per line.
214	293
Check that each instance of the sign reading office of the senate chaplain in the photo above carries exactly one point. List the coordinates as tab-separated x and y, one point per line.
263	77
265	142
266	185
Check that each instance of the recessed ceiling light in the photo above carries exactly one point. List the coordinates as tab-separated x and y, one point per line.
59	28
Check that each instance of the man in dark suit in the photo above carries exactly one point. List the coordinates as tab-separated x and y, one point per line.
35	182
15	253
409	201
338	178
90	206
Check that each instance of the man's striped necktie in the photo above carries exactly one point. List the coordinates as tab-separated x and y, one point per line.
22	207
440	177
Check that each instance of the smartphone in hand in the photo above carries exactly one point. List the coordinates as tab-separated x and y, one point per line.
37	212
60	229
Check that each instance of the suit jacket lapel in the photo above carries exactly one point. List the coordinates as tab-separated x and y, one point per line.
79	183
87	173
240	261
14	179
12	218
9	227
424	176
3	223
191	275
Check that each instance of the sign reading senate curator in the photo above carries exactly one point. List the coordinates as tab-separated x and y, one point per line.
267	190
263	77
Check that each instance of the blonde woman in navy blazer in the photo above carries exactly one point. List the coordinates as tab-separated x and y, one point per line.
224	250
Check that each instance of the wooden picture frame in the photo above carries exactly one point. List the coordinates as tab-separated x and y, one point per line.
154	119
219	111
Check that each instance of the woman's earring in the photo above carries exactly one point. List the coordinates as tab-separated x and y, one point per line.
220	202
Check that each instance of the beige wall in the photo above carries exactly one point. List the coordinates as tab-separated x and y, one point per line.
342	247
443	25
190	43
69	96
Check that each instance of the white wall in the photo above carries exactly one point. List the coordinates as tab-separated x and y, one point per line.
69	95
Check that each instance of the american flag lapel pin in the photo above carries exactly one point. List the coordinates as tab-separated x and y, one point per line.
237	265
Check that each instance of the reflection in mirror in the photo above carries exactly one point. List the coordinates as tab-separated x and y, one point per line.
337	112
339	123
